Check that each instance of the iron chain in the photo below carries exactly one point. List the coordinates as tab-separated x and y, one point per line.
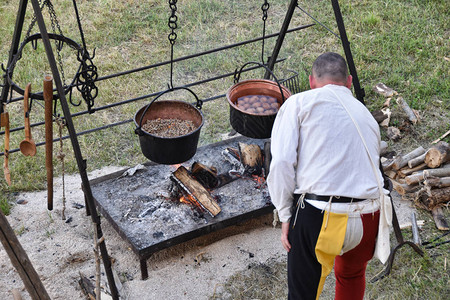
173	21
55	23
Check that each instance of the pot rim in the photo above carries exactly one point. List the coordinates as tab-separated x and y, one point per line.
266	81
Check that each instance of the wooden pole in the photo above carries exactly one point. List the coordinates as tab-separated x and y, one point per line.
48	108
20	261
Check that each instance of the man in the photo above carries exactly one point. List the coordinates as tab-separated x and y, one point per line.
323	184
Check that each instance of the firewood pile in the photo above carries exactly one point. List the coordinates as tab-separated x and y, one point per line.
422	175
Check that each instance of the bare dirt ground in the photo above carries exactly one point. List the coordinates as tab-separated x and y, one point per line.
61	250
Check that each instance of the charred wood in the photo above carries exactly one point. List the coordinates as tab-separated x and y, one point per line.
195	189
251	157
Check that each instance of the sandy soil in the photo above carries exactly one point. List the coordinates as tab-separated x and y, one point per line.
62	249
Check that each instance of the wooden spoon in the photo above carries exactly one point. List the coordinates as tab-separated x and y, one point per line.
27	146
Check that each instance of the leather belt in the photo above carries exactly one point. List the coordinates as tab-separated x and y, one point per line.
336	199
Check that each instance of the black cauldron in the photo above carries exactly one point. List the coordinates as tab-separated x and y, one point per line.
254	125
165	150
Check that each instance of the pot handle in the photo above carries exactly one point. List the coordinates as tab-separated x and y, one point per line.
237	75
198	105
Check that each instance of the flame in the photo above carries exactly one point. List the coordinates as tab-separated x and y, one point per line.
190	200
175	166
259	180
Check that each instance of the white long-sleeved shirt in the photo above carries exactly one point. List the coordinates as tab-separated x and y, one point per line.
316	148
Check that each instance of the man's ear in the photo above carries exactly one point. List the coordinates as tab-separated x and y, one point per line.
348	84
312	82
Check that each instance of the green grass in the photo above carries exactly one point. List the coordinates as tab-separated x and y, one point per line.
404	44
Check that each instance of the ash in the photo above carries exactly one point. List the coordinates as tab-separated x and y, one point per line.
144	209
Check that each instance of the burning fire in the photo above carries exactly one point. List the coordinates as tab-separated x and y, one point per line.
190	200
259	180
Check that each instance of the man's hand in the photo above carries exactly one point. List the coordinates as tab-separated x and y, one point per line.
284	236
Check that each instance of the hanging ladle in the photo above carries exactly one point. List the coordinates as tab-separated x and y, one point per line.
27	146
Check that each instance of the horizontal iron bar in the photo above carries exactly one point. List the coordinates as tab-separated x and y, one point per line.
185	57
137	99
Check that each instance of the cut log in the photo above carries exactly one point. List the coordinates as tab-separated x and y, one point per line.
421	175
383	148
207	176
435	197
409	112
403	188
437	155
415	229
384	90
251	157
195	189
402	161
387	165
403	172
439	219
391	174
416	160
393	133
381	115
436	182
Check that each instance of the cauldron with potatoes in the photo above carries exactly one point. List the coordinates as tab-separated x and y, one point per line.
254	104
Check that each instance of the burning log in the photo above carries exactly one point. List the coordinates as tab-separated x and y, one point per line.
437	155
251	157
208	176
195	189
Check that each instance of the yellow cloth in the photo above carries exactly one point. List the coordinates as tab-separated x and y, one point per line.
329	243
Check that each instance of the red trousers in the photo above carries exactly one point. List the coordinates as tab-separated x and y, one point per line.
350	268
309	262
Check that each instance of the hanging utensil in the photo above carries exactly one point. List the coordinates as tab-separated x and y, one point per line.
27	146
48	106
4	122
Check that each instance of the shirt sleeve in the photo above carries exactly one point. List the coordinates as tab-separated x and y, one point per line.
281	180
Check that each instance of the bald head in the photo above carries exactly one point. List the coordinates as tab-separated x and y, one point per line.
329	68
